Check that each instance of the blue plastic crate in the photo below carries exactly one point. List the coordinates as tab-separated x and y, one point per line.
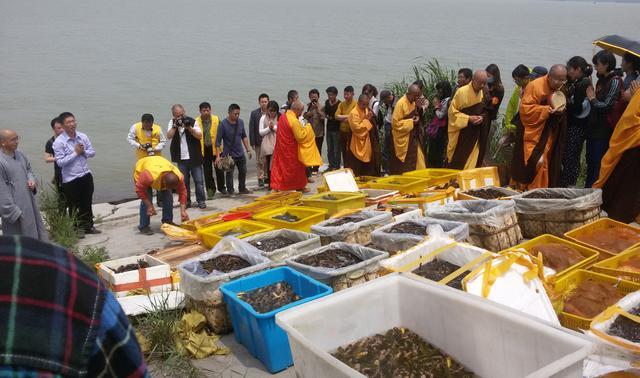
259	332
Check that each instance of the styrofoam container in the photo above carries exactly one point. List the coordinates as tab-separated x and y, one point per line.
489	339
156	278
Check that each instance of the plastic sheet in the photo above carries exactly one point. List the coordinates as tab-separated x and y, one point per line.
201	285
387	241
303	242
579	199
481	212
601	324
359	232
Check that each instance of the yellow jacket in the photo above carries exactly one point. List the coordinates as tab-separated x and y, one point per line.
142	138
155	166
215	121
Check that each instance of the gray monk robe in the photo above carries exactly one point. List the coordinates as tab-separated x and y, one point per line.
18	207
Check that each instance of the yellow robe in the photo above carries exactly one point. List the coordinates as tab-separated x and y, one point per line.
464	98
307	150
401	128
344	108
360	140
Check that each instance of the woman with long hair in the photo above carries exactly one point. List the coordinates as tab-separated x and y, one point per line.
437	129
267	129
578	109
496	90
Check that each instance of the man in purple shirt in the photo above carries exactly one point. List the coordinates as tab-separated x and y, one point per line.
71	150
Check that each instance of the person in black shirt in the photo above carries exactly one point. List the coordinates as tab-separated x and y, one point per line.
333	128
49	156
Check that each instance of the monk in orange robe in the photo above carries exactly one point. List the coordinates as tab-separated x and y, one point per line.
363	157
540	134
620	168
407	147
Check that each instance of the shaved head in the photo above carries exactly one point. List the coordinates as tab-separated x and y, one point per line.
479	80
297	107
557	76
9	140
414	92
6	134
363	101
170	180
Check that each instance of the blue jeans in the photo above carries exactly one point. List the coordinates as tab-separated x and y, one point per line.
167	208
596	148
386	148
198	178
333	149
241	164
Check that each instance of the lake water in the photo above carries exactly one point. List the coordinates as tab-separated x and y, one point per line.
110	61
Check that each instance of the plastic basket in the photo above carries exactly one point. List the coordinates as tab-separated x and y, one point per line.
303	242
590	255
403	184
378	196
258	332
256	207
282	198
507	194
343	201
576	277
202	222
478	177
600	224
610	266
427	200
436	176
308	216
211	235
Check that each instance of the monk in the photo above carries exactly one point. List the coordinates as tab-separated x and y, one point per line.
363	156
468	126
407	147
620	168
294	151
540	133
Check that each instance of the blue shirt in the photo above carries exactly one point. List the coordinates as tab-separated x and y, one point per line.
225	134
73	165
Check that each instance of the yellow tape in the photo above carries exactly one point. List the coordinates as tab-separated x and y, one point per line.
491	273
427	258
465	268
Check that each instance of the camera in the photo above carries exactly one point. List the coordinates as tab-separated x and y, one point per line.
149	148
178	122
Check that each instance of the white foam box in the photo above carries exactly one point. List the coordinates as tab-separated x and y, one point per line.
487	338
157	275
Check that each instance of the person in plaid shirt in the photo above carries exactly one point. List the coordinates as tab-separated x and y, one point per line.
57	318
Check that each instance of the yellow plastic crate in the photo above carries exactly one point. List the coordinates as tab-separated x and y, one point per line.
610	266
308	216
436	176
204	221
427	200
210	236
478	177
344	200
256	207
571	280
403	184
282	198
600	224
590	255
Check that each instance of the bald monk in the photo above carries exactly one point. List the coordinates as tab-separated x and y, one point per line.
294	151
468	126
364	150
540	134
407	147
620	168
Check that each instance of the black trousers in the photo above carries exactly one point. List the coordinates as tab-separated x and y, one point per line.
319	141
208	164
78	194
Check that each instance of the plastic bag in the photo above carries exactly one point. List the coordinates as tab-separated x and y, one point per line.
349	232
303	242
369	256
477	212
436	240
201	285
387	241
580	199
601	323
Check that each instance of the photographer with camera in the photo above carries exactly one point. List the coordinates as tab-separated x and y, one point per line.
146	137
315	116
186	151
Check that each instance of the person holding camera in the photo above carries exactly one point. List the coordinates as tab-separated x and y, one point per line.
146	137
231	136
315	116
186	151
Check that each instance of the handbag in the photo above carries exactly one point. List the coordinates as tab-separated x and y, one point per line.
226	162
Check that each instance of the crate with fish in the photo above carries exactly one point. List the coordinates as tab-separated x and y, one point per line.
436	176
253	303
478	178
201	277
399	326
339	265
351	227
256	207
278	245
401	213
607	236
141	274
487	193
425	201
556	210
561	255
282	198
240	228
334	202
203	221
403	184
293	217
493	224
619	325
581	295
625	265
401	235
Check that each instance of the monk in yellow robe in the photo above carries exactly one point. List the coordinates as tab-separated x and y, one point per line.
363	158
620	168
540	134
468	127
407	147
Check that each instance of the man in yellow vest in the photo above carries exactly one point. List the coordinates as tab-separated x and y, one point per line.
156	172
208	123
146	137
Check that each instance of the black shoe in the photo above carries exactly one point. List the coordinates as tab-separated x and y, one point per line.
146	230
222	192
92	231
245	191
260	183
169	223
202	205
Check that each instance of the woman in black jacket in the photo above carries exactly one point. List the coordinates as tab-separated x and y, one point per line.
602	100
578	109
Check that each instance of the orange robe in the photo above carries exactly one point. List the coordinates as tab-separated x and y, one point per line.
360	127
287	171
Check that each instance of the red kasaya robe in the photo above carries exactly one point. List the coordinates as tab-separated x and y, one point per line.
287	172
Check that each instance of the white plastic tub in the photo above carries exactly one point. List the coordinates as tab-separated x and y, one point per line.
489	339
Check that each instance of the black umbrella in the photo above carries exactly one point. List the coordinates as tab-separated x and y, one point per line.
618	45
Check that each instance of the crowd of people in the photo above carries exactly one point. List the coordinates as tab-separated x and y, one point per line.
550	116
